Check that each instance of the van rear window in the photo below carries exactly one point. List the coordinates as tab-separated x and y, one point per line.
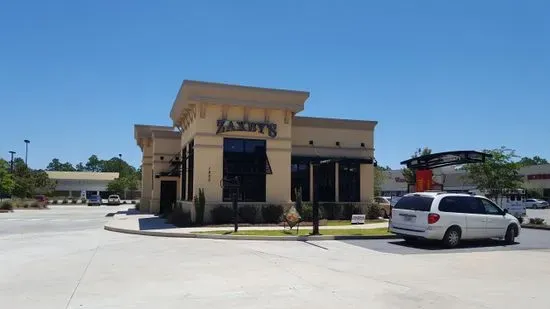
420	203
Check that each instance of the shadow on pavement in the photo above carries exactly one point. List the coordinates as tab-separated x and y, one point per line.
153	223
128	212
465	244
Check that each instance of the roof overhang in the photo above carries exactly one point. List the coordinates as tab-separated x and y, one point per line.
448	158
144	133
192	93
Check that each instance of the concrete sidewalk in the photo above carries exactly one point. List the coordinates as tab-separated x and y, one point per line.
144	224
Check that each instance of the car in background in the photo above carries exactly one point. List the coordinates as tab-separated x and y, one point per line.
536	203
42	200
385	205
451	217
113	200
94	200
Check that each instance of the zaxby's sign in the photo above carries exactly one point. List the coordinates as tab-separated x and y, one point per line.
247	126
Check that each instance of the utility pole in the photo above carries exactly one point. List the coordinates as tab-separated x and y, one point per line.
11	162
26	151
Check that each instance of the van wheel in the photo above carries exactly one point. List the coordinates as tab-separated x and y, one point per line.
452	237
510	237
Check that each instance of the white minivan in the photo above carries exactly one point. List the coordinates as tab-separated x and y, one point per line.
451	217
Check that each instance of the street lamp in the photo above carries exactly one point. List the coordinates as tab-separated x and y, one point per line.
11	162
26	151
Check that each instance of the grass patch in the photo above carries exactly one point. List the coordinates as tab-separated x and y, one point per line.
304	232
348	222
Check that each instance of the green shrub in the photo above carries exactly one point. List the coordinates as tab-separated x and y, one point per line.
298	203
373	211
200	204
6	205
349	210
247	214
35	205
272	213
307	212
332	211
64	201
222	214
123	202
179	217
25	205
54	202
537	221
136	206
83	200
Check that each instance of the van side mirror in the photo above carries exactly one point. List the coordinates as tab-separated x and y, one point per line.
505	211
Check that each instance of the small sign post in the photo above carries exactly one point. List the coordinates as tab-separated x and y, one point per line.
358	219
233	184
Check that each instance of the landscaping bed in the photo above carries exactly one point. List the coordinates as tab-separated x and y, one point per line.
10	205
304	232
536	223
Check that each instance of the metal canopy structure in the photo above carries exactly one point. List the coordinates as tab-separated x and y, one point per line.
448	158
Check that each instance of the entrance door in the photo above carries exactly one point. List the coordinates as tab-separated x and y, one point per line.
168	195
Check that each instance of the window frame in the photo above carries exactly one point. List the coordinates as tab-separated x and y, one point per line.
491	204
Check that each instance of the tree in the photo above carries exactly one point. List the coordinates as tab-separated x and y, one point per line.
80	167
497	174
6	179
56	165
117	186
379	175
94	164
536	160
409	174
28	182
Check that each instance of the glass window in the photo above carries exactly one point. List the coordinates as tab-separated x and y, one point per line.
349	182
490	208
419	203
299	179
245	159
183	173
450	204
472	205
190	165
325	177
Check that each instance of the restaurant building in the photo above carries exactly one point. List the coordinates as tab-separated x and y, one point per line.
252	134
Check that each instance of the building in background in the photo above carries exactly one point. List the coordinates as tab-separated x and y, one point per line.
228	131
535	178
78	184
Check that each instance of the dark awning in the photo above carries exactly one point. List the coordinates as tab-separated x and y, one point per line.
318	160
448	158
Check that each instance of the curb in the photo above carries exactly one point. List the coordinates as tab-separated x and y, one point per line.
247	237
535	227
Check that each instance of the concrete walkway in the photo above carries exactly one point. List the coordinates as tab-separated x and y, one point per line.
150	225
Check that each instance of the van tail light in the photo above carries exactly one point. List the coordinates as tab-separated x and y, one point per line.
433	218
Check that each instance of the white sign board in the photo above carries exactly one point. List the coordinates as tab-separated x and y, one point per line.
83	194
358	219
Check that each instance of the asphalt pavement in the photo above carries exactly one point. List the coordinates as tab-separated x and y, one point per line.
55	219
63	258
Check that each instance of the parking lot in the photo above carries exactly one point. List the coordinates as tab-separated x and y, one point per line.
529	240
88	267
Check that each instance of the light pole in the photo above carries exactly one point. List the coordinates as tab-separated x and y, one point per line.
11	162
26	151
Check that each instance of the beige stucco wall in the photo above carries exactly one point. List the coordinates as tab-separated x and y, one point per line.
208	167
163	149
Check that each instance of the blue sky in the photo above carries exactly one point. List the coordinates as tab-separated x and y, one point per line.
77	75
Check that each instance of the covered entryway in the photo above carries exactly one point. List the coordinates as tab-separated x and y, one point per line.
168	195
